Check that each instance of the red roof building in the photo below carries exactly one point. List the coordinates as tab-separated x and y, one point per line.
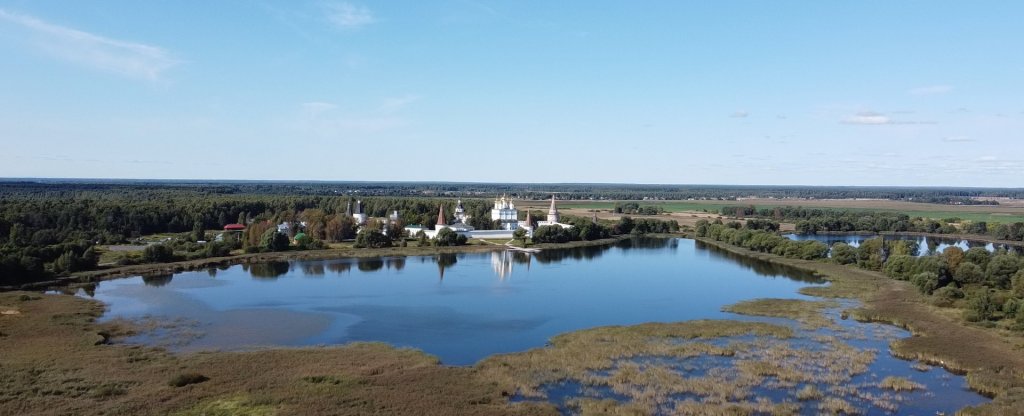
234	227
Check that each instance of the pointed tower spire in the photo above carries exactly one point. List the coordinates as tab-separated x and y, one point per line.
553	212
440	217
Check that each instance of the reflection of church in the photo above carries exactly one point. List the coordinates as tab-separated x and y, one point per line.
503	262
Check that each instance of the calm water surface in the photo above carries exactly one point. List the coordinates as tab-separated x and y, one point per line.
460	307
464	307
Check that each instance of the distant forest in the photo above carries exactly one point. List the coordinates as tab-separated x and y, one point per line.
75	187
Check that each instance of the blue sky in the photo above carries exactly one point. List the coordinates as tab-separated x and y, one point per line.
723	92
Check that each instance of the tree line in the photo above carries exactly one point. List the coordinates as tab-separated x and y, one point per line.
987	286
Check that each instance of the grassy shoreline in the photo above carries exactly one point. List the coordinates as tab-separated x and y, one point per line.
93	276
993	361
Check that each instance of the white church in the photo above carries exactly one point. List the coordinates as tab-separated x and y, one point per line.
504	211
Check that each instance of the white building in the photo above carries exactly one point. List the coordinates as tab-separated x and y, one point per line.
553	216
359	215
505	211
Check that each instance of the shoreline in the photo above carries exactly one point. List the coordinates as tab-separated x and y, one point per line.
93	276
993	362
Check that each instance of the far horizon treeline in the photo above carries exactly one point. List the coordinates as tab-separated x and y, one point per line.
528	191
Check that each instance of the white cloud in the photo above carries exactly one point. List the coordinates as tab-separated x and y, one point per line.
348	16
135	60
957	139
987	159
931	90
871	118
868	118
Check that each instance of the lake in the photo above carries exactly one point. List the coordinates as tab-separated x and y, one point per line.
464	307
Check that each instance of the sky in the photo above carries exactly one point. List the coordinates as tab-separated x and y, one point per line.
920	93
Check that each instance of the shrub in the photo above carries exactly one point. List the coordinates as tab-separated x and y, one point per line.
157	253
185	379
947	296
447	237
926	282
980	306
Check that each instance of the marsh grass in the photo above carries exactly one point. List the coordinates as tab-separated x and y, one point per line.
808	392
700	367
899	384
810	314
993	365
51	364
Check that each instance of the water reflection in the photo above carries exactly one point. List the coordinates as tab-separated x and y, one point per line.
270	270
444	261
503	262
371	264
761	268
919	245
157	280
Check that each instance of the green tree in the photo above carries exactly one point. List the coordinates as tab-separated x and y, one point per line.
953	256
968	273
980	306
899	267
843	253
198	234
1017	284
519	234
977	255
157	253
926	282
1001	269
447	237
274	241
372	238
66	263
701	228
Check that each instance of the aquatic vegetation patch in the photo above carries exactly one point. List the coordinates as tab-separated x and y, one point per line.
718	367
900	384
810	314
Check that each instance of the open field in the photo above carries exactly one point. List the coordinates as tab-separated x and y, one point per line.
998	213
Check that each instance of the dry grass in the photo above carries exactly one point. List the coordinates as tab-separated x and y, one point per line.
808	313
55	361
899	384
808	392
